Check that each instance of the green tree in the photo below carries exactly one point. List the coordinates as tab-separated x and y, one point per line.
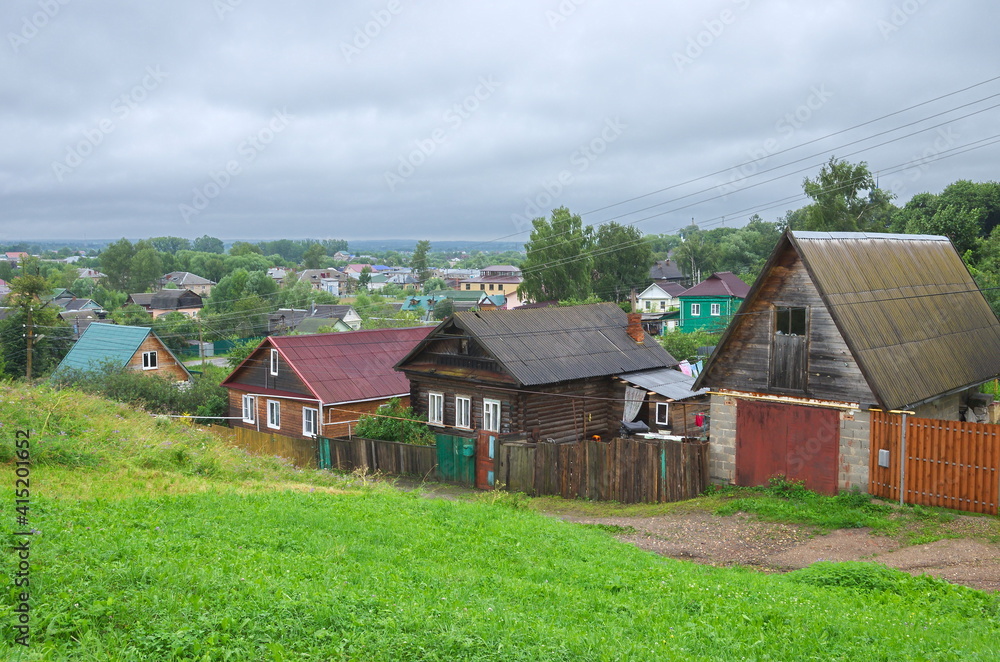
419	260
434	284
696	255
171	244
846	199
444	308
244	248
51	336
132	315
684	346
394	422
232	291
206	244
558	263
365	278
116	264
147	267
966	195
621	261
312	256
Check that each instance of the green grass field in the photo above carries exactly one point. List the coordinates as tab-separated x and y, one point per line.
158	543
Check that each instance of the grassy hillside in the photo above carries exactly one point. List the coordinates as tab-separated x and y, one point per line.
158	543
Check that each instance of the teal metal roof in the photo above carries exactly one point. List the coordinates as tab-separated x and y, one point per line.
102	343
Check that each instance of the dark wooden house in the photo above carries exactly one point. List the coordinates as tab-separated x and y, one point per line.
544	373
318	385
838	324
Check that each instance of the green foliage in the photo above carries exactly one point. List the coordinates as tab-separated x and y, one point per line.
434	284
170	244
846	199
443	309
684	346
419	260
244	248
621	261
131	267
558	263
312	256
132	315
240	351
207	244
394	422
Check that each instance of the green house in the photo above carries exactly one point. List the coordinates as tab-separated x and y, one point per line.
710	304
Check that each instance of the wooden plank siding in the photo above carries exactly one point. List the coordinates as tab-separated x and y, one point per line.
376	455
832	372
166	364
301	452
951	464
623	470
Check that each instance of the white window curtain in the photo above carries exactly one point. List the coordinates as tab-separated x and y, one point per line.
633	402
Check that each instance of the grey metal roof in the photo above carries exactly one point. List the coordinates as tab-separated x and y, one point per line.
668	382
547	345
914	318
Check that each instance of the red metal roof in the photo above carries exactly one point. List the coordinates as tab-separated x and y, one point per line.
720	284
351	366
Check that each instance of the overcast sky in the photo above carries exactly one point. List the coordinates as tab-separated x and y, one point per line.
246	119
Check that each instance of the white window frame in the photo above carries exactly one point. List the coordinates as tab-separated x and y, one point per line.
715	309
695	310
149	361
463	412
310	421
663	420
274	414
274	362
435	408
249	409
492	413
663	304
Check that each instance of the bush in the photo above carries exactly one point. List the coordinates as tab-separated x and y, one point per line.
395	422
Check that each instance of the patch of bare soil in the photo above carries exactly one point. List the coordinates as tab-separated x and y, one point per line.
744	540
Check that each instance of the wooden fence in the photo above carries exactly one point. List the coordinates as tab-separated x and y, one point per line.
388	457
623	470
952	464
301	452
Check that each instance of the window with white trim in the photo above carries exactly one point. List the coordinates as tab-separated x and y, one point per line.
663	414
274	414
274	362
716	309
463	412
249	409
310	421
435	408
149	360
695	309
491	415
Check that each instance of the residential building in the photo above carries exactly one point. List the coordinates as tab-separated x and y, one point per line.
185	280
711	304
185	302
660	297
666	271
497	279
319	385
132	347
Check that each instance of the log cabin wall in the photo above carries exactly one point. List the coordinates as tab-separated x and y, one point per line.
166	364
832	372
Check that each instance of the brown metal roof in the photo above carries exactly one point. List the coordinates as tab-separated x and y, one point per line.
345	367
911	313
720	284
547	345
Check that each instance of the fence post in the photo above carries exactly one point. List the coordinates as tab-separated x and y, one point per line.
902	460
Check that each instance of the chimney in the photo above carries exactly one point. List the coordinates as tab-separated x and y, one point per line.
634	329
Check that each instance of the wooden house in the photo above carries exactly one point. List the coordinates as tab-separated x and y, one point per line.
710	304
666	271
838	324
319	385
185	280
544	373
132	347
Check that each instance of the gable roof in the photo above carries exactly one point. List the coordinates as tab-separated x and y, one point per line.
350	366
547	345
112	343
719	284
174	299
665	270
907	307
663	290
186	278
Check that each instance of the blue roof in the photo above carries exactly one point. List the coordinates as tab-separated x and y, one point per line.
102	343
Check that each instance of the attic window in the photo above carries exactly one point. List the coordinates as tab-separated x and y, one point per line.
274	362
789	321
149	360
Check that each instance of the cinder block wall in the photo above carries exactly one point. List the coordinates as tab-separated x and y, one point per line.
722	440
855	430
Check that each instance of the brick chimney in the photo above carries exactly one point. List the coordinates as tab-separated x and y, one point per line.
634	329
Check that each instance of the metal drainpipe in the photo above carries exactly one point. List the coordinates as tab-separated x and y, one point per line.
902	461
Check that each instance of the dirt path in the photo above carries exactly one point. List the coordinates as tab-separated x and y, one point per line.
744	540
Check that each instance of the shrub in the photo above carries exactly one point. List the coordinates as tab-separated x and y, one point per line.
394	422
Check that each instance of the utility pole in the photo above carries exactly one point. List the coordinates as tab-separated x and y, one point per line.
30	338
201	344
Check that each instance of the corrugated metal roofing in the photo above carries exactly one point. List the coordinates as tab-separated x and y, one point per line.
908	308
547	345
101	343
350	366
668	382
720	284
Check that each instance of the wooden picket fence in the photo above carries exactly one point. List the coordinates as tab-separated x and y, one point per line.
301	452
952	464
623	470
387	457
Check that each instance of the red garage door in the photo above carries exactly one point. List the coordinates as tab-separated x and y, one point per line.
801	443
